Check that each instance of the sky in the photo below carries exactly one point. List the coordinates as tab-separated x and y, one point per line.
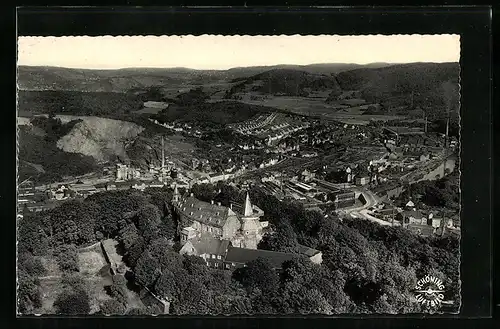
224	52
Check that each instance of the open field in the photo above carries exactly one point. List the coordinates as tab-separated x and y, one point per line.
317	107
149	110
90	261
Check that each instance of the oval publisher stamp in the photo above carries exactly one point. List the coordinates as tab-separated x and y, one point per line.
430	291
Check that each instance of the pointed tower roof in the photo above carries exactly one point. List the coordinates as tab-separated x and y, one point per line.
248	207
176	195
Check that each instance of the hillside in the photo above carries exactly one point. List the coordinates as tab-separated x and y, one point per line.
326	68
42	160
103	139
78	103
38	78
223	112
284	82
434	85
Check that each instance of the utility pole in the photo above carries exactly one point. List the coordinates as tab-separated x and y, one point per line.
392	214
162	154
425	121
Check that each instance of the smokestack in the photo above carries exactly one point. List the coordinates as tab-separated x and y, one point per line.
447	130
162	153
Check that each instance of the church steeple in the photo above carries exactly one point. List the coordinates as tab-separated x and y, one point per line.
248	207
176	196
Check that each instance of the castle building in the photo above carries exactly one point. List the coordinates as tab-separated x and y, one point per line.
197	218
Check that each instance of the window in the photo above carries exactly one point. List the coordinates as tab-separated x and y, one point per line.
219	257
213	256
227	265
216	265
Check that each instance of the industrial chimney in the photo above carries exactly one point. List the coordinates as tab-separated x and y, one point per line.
162	154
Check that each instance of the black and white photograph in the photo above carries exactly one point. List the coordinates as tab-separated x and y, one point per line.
238	175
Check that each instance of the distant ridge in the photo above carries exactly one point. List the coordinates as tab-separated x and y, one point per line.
257	67
40	78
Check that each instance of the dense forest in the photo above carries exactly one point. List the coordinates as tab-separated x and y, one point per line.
78	103
284	82
224	112
430	86
443	193
366	268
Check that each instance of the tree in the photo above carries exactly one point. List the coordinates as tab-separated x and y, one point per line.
147	270
73	222
204	192
258	273
166	286
331	285
67	258
32	237
146	310
112	307
135	251
195	266
128	236
148	220
31	265
113	205
72	302
283	239
118	290
28	292
299	270
299	299
194	299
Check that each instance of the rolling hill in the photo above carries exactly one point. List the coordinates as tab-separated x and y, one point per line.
78	103
433	86
283	82
36	78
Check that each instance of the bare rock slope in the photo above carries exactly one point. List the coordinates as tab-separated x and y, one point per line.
101	138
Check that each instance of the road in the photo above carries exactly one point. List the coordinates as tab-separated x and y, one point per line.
369	196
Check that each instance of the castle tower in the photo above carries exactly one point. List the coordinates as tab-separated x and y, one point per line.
251	229
248	207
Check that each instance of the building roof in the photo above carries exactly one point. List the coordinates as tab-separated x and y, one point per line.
423	229
309	252
210	245
414	213
248	207
387	211
204	212
243	256
405	130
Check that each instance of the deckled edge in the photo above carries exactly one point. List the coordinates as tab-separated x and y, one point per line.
250	35
17	169
459	168
236	35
